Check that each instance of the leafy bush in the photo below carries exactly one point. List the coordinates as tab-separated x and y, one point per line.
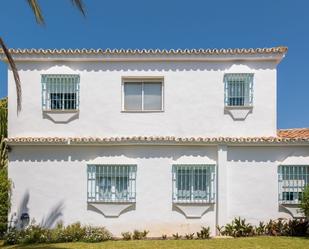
189	236
127	235
176	236
164	236
5	187
137	235
304	205
74	232
12	237
237	228
97	234
204	233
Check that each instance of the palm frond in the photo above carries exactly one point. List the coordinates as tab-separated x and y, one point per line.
80	6
34	5
15	73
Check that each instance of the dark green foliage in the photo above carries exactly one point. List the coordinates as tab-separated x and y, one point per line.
127	235
164	236
237	228
176	236
204	233
137	235
304	205
189	236
4	182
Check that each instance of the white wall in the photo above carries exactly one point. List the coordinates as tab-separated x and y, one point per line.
57	175
194	100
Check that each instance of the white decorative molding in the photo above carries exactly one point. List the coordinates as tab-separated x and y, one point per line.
238	113
61	116
296	159
293	210
112	209
193	210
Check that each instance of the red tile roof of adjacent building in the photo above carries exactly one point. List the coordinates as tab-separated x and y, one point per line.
294	133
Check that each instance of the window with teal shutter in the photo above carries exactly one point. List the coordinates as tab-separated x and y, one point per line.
238	89
194	183
111	183
60	92
292	180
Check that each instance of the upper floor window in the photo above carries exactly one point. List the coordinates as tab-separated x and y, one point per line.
60	92
292	181
111	183
238	89
142	95
194	183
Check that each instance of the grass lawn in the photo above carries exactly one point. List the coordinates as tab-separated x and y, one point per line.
241	243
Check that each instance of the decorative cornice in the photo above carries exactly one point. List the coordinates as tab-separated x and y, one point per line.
154	140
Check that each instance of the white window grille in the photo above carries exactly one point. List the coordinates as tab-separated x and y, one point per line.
142	95
194	183
111	183
238	89
292	181
60	92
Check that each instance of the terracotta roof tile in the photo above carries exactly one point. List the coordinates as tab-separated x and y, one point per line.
294	133
228	51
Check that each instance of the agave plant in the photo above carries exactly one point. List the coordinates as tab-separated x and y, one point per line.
35	7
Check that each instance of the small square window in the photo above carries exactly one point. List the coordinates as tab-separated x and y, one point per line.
60	92
143	95
238	90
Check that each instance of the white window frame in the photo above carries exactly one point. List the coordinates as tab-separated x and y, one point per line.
142	80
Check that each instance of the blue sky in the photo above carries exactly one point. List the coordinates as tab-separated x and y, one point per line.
175	24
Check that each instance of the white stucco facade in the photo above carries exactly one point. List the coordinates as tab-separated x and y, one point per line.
50	178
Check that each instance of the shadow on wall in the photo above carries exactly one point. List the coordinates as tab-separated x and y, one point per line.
162	66
86	154
22	217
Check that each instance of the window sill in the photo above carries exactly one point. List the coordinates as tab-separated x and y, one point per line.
193	209
238	112
111	209
146	111
61	116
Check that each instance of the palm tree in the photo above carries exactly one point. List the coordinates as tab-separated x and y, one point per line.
34	5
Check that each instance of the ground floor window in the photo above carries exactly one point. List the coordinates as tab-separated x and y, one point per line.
111	183
292	181
194	183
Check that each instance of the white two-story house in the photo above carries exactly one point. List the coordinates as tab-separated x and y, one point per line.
162	140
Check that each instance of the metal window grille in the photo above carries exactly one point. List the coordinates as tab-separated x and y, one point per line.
111	183
292	181
60	92
238	89
194	183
